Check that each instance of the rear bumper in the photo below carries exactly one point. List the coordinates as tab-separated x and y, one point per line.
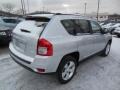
49	64
15	59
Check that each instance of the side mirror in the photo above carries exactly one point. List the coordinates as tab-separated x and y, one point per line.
105	31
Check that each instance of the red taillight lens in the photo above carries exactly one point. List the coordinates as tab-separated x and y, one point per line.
44	48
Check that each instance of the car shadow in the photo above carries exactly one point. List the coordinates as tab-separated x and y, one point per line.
88	73
4	45
86	69
4	49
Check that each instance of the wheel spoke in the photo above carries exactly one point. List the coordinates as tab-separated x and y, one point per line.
70	65
68	70
67	76
107	49
66	66
72	69
64	74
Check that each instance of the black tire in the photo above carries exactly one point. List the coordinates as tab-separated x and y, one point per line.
61	68
118	36
105	52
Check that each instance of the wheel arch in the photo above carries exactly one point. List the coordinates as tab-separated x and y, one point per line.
75	54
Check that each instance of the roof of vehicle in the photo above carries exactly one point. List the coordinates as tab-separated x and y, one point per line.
41	15
59	14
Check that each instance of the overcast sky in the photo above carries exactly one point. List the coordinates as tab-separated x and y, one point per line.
69	6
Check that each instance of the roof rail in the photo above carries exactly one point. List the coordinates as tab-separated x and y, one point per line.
67	14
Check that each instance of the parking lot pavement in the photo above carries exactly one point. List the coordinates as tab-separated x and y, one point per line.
96	73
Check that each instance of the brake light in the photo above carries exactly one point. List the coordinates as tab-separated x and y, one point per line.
44	48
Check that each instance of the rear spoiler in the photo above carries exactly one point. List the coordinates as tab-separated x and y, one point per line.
41	19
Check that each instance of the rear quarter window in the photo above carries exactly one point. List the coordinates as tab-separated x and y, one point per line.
69	26
96	28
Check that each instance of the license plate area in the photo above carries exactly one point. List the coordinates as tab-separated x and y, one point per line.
19	44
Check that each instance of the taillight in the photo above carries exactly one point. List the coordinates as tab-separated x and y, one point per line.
44	48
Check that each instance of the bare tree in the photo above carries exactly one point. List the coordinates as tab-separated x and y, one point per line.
8	7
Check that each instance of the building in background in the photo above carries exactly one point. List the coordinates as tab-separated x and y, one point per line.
6	14
114	18
105	17
101	17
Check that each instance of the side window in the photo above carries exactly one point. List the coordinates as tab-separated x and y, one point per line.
82	26
95	27
69	26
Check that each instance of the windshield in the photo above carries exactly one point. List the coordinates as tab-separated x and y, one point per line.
14	21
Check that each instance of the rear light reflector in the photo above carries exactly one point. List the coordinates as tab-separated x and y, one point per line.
44	48
39	70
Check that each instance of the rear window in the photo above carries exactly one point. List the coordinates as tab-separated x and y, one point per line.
14	21
38	19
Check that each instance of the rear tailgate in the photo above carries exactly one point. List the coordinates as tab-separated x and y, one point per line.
25	36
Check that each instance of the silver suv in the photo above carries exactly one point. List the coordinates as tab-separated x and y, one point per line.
57	43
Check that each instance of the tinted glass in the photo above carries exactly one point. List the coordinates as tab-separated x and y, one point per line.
69	26
76	26
11	21
95	27
82	26
38	19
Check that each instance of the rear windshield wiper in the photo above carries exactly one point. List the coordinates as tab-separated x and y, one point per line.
23	30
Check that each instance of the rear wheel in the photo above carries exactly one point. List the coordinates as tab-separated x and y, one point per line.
67	69
106	51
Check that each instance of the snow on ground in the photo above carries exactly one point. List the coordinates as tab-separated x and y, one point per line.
4	56
96	73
